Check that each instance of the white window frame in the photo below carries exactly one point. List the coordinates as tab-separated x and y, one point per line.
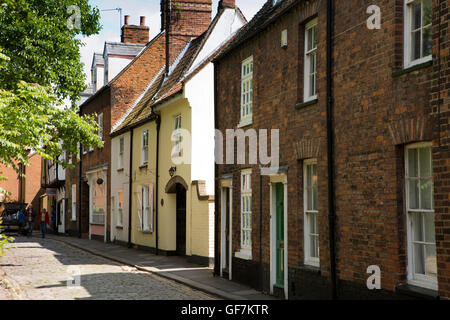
308	259
177	134
100	125
413	278
246	227
121	153
307	95
119	213
247	85
144	148
408	61
147	208
74	202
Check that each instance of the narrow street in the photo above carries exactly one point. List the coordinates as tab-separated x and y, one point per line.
45	269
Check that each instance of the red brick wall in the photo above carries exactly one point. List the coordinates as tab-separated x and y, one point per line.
30	185
441	151
370	99
11	184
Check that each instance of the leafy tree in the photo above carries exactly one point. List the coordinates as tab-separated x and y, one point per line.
40	66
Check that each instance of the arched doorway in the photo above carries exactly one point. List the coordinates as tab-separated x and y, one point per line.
178	186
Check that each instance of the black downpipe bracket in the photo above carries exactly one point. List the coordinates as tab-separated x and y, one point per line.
158	128
330	150
130	191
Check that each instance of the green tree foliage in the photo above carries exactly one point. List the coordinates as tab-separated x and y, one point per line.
40	66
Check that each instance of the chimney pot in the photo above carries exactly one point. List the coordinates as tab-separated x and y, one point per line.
127	20
142	21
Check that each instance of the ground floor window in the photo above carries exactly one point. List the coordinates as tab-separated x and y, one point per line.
422	266
311	221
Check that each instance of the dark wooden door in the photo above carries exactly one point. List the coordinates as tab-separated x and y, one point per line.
280	235
227	228
181	220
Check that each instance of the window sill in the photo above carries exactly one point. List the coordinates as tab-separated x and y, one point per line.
413	68
119	227
120	170
310	267
245	123
144	166
417	292
146	232
243	254
299	106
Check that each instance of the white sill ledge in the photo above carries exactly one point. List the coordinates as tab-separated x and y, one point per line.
423	284
243	254
245	123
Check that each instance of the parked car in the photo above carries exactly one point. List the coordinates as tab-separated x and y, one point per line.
10	217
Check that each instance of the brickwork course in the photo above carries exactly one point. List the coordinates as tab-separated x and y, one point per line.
379	108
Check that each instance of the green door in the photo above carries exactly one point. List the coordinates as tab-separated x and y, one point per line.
280	235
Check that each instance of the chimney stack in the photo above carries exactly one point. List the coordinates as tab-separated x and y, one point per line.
223	4
135	34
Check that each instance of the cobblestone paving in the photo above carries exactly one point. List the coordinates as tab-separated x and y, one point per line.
39	269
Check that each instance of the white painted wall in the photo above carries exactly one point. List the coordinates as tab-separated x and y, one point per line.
200	93
120	181
113	66
99	78
228	24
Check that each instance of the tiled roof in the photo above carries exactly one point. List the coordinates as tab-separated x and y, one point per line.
265	16
162	87
124	49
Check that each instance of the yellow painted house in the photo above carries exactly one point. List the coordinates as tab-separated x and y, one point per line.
172	149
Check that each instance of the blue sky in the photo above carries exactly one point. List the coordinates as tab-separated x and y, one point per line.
136	8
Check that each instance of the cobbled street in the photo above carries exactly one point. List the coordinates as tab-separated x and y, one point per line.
45	269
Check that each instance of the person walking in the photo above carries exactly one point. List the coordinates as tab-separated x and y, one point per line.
44	219
29	217
53	218
21	220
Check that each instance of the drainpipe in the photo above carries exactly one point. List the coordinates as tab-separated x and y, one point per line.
261	229
79	191
330	137
130	190
158	127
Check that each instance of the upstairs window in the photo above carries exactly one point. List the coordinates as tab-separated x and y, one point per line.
310	61
418	31
247	92
100	126
176	137
121	152
144	149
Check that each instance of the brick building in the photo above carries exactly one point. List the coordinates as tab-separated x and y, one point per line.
363	119
23	190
